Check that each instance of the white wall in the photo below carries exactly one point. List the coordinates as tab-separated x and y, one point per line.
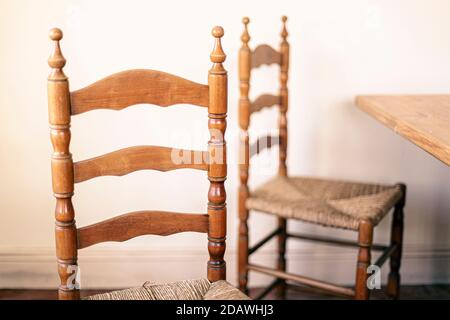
339	49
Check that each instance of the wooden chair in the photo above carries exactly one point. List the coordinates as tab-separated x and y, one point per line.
117	92
338	204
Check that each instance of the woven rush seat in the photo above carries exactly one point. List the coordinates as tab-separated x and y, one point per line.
327	202
200	289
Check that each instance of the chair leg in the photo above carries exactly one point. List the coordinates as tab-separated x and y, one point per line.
281	287
365	236
393	287
243	243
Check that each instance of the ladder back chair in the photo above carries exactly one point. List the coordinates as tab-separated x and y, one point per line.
117	92
338	204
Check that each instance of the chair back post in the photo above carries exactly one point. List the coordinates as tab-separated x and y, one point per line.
244	151
284	67
283	139
217	172
62	171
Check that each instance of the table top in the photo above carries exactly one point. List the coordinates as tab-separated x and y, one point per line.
422	119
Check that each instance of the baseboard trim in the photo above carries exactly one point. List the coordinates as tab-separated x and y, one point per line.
32	268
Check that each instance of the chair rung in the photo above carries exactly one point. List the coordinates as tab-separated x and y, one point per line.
334	241
385	255
134	224
263	241
326	286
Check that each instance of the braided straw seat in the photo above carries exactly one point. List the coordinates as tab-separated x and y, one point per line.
327	202
200	289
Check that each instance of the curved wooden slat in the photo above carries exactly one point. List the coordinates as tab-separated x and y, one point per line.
124	161
132	87
265	54
263	143
263	101
134	224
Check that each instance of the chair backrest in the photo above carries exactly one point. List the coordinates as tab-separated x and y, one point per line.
248	60
116	92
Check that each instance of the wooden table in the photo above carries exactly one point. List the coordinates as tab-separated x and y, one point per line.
422	119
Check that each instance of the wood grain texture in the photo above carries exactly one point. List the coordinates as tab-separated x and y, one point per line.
132	87
265	54
217	171
116	92
125	161
134	224
264	101
62	170
422	119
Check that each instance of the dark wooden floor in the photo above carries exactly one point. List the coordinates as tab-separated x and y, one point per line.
427	292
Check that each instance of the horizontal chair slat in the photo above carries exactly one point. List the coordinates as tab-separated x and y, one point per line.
132	87
124	161
265	54
264	101
263	143
134	224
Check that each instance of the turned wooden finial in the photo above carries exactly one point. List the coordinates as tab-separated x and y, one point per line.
245	35
284	32
217	55
56	61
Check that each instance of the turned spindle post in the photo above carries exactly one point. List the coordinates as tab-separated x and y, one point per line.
365	237
283	136
217	173
62	171
393	286
284	68
244	155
